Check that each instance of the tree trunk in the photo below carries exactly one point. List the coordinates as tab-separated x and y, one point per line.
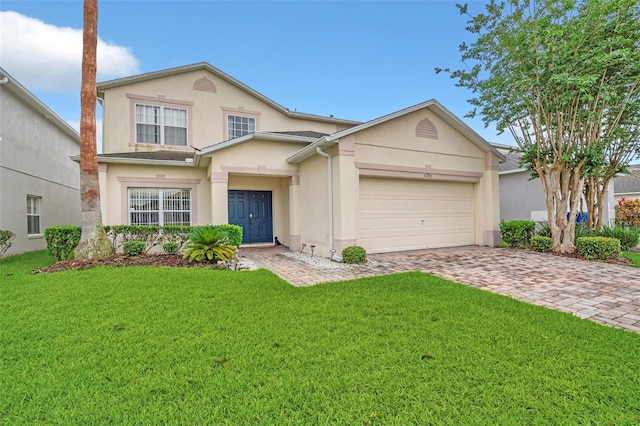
563	189
94	243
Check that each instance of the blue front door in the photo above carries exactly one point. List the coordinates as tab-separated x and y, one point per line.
252	211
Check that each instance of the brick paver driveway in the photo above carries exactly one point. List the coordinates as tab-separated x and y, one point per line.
605	293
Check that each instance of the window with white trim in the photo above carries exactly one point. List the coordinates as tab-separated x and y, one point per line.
161	125
33	215
238	125
159	206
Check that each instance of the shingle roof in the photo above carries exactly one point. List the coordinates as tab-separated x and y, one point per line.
629	183
512	161
162	155
304	133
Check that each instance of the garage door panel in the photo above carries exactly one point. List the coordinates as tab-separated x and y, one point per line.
406	215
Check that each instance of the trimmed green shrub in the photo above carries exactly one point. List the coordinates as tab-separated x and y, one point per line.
6	239
354	254
541	243
133	247
233	232
629	236
170	247
153	235
598	247
209	244
517	233
62	240
176	234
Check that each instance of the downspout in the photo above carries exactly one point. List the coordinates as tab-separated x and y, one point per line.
330	194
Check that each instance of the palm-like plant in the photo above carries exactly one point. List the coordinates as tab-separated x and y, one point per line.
206	244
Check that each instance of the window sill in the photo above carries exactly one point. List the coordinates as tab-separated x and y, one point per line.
161	146
35	236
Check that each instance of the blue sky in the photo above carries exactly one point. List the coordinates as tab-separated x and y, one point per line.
354	59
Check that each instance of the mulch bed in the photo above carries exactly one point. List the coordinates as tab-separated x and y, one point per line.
120	260
176	260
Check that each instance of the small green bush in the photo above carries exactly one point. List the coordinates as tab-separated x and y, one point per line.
541	243
233	232
62	240
354	254
133	247
629	236
171	247
598	247
517	233
6	238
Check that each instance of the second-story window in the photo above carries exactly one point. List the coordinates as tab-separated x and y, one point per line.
238	125
161	125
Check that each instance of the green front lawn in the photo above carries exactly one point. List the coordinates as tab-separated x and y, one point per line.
188	346
633	257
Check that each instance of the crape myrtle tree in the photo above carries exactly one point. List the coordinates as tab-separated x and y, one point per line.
617	153
94	242
563	77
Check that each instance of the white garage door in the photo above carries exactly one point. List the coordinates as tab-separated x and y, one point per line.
407	215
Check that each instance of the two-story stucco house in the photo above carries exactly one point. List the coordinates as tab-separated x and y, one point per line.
39	183
193	145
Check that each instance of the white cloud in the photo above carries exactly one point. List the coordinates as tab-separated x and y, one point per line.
48	58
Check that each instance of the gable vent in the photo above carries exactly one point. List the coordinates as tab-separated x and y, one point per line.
426	129
204	85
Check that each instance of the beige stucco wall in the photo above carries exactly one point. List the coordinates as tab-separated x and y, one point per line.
118	177
395	142
256	156
207	116
34	160
314	204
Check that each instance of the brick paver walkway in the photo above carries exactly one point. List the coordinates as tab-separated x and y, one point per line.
605	293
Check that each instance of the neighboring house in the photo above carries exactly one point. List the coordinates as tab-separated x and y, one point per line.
522	198
627	186
39	183
192	145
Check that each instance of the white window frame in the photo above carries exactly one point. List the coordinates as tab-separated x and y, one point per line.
162	123
231	125
161	210
34	210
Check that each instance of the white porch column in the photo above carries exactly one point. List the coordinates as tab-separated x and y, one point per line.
295	238
219	197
